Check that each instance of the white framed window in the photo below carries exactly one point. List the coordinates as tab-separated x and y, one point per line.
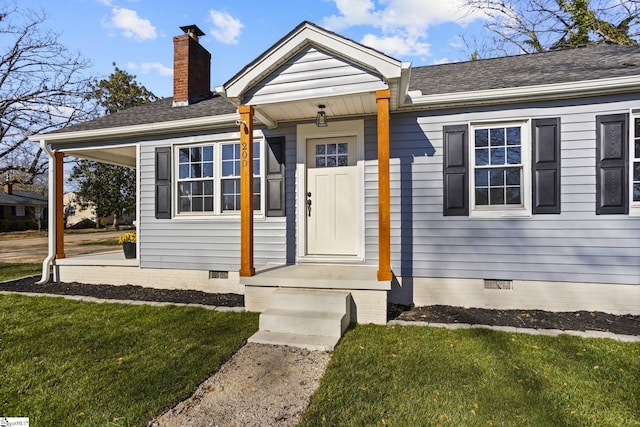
634	166
21	211
500	178
208	178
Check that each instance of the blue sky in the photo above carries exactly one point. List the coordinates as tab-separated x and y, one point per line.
137	34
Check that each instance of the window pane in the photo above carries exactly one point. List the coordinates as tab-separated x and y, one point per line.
196	154
637	147
208	188
482	196
320	162
228	203
513	136
343	148
636	192
496	196
208	204
256	167
227	168
496	177
207	170
636	171
513	195
482	137
496	137
482	157
207	153
184	189
256	185
227	152
497	156
331	148
236	150
482	178
183	155
184	171
185	204
197	204
319	149
196	171
331	162
513	176
343	160
229	186
513	155
197	188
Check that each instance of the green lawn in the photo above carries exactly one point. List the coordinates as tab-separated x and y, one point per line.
74	363
12	271
416	376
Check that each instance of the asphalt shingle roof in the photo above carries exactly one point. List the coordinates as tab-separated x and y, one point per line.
22	198
577	64
562	66
155	112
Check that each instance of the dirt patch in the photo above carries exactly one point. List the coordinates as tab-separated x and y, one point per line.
260	385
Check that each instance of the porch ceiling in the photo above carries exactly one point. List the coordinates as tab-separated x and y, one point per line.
121	156
307	109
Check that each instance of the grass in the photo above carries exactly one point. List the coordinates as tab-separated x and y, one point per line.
75	363
410	376
105	242
12	271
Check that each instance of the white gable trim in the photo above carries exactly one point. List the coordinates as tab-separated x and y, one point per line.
302	36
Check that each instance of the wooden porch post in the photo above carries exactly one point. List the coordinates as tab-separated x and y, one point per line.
59	225
384	192
246	191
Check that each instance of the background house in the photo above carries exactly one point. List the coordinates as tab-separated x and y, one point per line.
21	210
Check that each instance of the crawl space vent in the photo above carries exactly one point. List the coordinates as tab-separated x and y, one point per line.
218	274
501	285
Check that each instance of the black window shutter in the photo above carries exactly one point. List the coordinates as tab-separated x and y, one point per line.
545	165
612	134
456	170
163	182
275	196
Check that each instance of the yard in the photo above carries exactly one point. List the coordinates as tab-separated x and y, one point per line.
409	376
76	363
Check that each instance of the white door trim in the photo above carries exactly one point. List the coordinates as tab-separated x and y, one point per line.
335	129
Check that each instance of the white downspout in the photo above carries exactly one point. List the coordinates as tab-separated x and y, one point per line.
51	221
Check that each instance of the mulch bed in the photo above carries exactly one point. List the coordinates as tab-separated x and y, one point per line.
536	319
126	292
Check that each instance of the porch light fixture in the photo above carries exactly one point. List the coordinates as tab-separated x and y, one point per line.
321	117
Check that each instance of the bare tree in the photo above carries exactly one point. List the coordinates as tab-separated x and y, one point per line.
42	88
529	26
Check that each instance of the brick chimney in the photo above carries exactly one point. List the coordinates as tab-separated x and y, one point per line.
191	68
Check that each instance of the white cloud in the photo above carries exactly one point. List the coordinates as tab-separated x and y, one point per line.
147	67
403	23
131	25
397	45
226	29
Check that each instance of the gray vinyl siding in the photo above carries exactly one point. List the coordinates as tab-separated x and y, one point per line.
574	246
211	244
313	73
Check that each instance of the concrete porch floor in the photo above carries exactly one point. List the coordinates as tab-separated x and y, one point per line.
322	276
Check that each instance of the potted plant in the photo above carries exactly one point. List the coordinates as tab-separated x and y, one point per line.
128	242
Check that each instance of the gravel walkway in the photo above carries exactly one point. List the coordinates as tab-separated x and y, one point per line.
261	385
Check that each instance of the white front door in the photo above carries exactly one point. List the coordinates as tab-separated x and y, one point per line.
332	196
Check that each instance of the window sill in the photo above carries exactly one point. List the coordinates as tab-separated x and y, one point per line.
500	214
216	217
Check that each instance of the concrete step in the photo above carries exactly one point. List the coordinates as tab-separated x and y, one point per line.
309	342
308	299
300	322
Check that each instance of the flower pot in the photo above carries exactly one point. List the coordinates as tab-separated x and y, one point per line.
129	249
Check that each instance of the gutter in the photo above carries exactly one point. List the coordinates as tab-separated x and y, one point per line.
553	91
51	217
